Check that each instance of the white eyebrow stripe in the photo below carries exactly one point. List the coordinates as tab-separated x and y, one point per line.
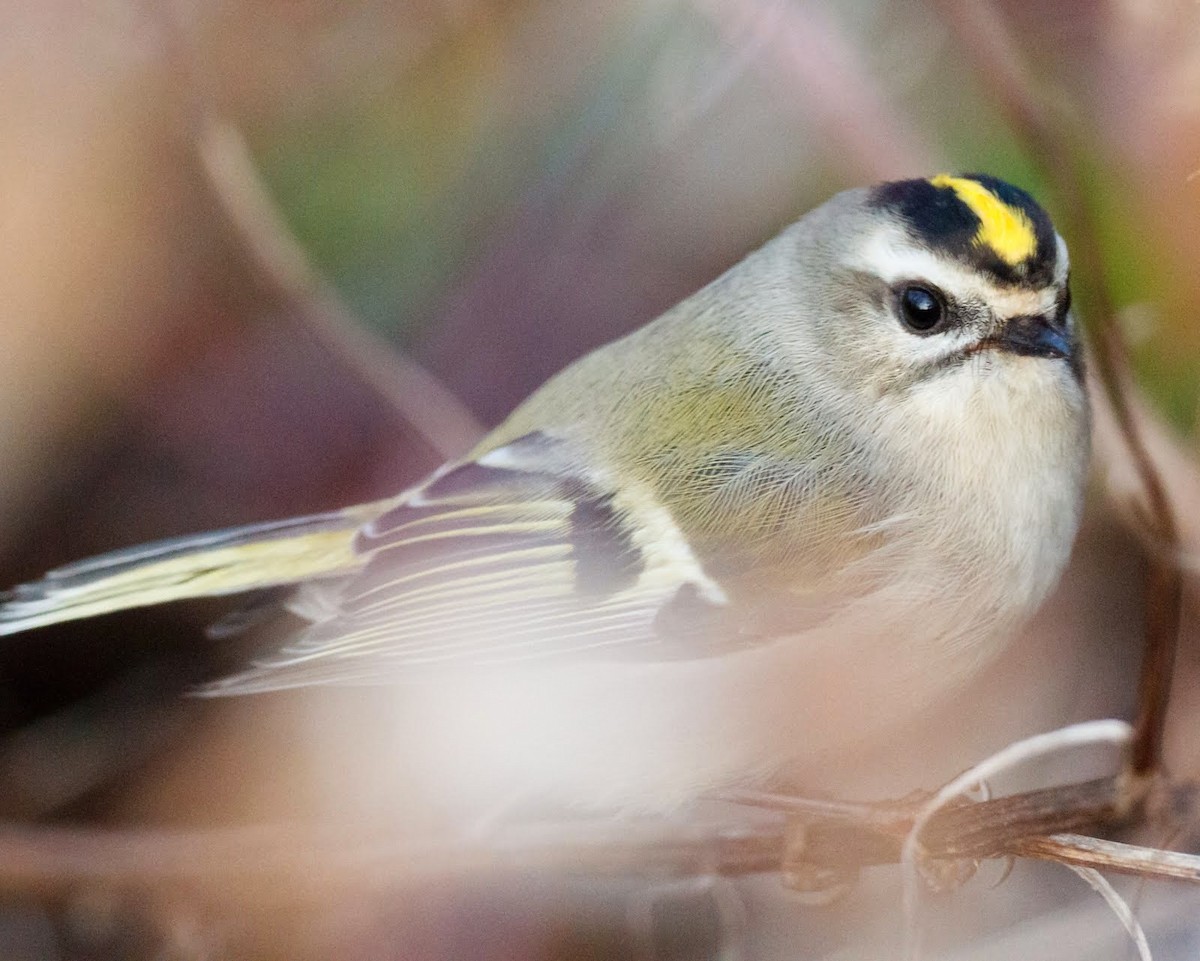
889	255
1062	264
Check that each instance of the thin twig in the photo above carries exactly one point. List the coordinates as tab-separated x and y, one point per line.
858	834
286	272
982	32
1106	855
824	73
440	418
1118	905
1020	752
296	864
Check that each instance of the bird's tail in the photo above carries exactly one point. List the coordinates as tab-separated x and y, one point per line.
219	562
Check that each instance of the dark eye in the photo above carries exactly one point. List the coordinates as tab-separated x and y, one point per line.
921	308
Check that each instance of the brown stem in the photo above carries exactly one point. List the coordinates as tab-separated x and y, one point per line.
288	864
1110	856
982	32
284	269
437	415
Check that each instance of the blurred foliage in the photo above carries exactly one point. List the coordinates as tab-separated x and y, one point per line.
392	192
387	192
396	186
497	185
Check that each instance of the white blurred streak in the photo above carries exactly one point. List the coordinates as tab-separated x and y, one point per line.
1111	731
1120	908
821	70
746	50
1084	930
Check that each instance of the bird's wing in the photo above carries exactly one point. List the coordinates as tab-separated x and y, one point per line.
228	561
515	555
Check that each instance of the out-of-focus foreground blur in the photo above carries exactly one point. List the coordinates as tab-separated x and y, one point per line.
495	188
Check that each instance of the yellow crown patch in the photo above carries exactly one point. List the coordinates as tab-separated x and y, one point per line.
1006	230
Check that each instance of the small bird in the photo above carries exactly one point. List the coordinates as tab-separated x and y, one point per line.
797	509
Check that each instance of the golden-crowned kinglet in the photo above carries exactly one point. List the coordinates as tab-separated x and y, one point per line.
799	507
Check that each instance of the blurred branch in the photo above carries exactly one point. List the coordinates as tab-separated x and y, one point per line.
284	864
982	32
1074	849
285	270
289	864
825	73
445	424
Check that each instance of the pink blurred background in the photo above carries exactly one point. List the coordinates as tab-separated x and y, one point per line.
494	188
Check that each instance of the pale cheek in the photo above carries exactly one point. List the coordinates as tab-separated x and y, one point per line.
1002	391
996	424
